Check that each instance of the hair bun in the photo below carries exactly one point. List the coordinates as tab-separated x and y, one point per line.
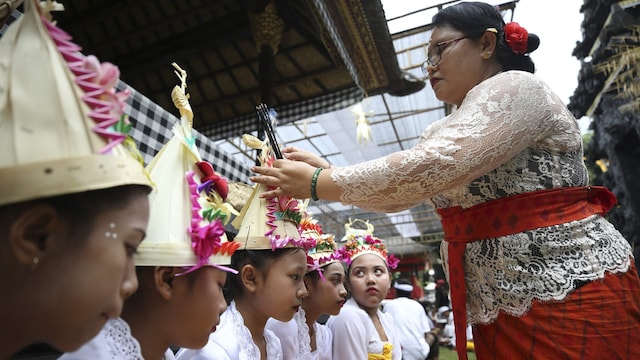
533	41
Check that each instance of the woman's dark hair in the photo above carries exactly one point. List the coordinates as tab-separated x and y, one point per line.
82	208
474	18
261	259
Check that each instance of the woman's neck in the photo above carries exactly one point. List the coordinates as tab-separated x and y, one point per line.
370	311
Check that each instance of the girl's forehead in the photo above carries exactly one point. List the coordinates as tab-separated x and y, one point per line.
335	267
296	258
368	260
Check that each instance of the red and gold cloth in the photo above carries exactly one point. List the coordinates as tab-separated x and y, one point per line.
505	216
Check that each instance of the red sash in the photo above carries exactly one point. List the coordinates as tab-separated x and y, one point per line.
505	216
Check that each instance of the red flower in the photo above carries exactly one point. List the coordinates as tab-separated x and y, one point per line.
516	37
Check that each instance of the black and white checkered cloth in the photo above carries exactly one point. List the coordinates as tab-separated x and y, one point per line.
152	129
289	113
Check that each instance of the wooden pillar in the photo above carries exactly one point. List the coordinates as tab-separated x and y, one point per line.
267	29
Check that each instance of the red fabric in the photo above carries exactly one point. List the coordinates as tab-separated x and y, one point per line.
505	216
600	320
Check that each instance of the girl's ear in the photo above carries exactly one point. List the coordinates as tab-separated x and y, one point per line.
164	280
32	232
250	277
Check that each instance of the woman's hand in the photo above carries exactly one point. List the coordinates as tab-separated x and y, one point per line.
290	178
293	153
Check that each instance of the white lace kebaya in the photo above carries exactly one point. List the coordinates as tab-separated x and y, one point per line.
114	342
232	341
295	340
510	135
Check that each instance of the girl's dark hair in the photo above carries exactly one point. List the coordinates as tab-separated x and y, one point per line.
82	208
474	18
260	259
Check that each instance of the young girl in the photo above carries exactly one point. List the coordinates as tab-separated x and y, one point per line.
303	337
271	264
179	267
73	200
361	330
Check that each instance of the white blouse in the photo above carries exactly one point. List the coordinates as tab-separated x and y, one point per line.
113	342
295	340
232	341
510	135
355	336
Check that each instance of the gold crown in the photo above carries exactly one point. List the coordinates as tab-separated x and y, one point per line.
362	241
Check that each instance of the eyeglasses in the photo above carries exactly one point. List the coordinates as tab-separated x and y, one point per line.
434	57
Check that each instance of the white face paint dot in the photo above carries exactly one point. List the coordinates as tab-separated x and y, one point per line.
112	225
115	235
107	234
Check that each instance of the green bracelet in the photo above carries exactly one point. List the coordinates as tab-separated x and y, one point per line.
314	182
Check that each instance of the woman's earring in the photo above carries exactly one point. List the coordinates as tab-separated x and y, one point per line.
34	263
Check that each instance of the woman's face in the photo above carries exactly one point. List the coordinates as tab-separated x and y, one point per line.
83	284
459	64
369	281
201	301
328	295
282	289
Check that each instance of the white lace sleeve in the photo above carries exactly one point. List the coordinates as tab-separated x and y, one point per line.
498	119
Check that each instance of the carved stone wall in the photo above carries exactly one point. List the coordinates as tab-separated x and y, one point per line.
616	133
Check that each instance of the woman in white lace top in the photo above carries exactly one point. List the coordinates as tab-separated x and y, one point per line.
523	229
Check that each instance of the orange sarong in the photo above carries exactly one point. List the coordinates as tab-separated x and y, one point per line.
600	320
505	216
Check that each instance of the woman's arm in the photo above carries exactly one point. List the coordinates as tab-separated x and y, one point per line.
499	119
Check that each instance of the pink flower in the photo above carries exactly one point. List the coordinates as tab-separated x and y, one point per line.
106	74
287	203
205	239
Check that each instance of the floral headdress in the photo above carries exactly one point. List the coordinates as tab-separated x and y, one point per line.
324	251
362	241
188	212
63	123
516	37
269	223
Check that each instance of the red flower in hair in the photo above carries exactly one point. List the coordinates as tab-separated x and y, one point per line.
516	37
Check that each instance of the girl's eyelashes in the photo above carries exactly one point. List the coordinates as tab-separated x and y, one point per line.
131	249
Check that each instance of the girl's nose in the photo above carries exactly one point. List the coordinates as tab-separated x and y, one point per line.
302	291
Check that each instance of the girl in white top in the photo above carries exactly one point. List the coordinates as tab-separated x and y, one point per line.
180	267
361	330
303	338
271	263
269	284
73	200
